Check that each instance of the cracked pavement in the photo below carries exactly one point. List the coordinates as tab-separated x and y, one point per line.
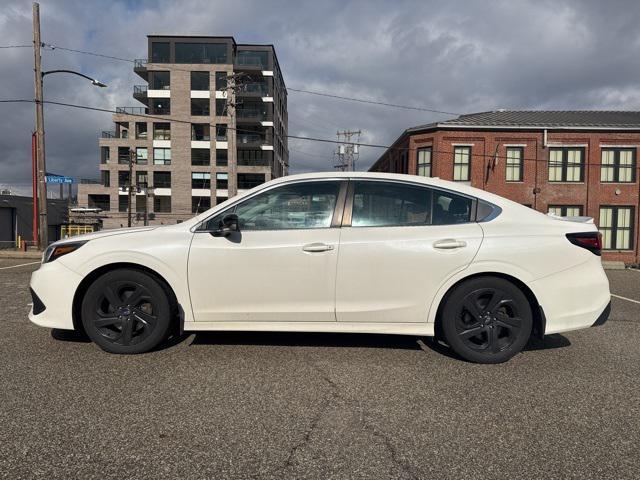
307	406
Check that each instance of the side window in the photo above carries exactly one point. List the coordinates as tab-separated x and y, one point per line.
288	207
379	204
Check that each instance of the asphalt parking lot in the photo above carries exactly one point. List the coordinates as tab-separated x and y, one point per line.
249	405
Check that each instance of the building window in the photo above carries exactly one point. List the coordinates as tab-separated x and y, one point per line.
200	107
124	155
200	81
618	165
200	180
221	81
162	156
160	80
104	154
200	132
103	202
105	178
461	163
141	203
123	203
161	204
616	226
566	164
221	132
161	179
222	181
249	180
200	204
160	52
565	210
160	106
142	155
222	158
142	179
221	107
254	58
254	157
201	52
200	156
141	130
424	162
162	131
514	164
123	178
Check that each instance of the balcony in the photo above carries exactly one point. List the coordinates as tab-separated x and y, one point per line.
253	59
108	134
252	114
254	89
140	67
132	110
140	93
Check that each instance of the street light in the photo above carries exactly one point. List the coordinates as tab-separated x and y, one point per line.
39	165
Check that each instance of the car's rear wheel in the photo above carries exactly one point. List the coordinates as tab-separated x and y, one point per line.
486	320
126	311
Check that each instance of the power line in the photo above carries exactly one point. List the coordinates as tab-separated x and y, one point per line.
167	118
297	90
371	102
16	46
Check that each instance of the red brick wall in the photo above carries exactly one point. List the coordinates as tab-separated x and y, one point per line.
591	194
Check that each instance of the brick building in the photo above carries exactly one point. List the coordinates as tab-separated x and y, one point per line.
214	123
565	162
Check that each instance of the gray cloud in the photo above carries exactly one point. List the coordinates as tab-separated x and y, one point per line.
454	56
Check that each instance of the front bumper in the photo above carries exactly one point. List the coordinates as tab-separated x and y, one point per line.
54	286
604	316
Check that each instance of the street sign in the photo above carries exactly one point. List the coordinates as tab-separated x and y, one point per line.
58	179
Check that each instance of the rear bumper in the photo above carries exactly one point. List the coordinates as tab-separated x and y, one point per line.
604	316
575	298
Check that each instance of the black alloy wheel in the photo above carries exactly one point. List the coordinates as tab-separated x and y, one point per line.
126	311
487	320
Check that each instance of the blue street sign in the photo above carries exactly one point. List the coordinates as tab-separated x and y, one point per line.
58	179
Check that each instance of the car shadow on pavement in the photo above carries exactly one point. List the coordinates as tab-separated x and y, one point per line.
299	339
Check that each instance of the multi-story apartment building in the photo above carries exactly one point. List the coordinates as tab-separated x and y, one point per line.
214	123
568	163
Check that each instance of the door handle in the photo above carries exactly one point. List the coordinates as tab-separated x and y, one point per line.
449	244
317	247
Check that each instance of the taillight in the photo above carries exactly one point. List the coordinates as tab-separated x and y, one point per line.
592	241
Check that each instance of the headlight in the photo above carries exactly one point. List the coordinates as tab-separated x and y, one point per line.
53	252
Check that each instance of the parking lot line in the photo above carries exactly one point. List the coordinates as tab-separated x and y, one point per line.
625	298
21	265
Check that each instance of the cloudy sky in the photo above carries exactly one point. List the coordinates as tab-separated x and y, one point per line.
456	56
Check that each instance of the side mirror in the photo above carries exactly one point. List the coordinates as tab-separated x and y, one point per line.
227	226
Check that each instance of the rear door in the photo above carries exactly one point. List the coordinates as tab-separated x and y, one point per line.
399	242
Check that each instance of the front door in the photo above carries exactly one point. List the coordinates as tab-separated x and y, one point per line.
280	267
403	242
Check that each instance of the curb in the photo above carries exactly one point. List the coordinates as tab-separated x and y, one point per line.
613	265
19	255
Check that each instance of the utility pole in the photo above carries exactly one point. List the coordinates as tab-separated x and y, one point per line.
43	238
348	151
130	186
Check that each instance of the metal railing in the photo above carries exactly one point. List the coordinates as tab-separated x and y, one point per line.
133	110
140	63
261	114
140	89
108	134
259	88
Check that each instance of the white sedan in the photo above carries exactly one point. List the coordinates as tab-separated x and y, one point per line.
342	252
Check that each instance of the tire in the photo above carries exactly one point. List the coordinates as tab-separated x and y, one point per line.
486	320
126	311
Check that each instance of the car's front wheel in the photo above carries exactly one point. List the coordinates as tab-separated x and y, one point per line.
126	311
486	320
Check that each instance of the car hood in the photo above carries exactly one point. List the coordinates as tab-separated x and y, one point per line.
104	233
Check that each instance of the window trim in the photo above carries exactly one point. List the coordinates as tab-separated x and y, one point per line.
616	164
614	227
564	164
469	148
563	208
424	164
520	163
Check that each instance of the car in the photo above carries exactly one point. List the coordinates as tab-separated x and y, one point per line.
334	252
